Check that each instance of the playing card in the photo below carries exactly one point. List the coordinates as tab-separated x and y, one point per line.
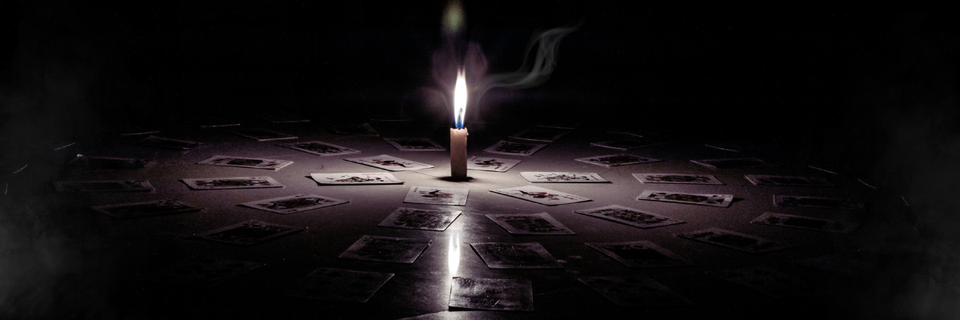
843	266
109	162
260	134
540	134
616	160
423	219
231	183
530	224
319	148
441	196
630	216
817	202
247	233
356	178
731	163
242	162
733	240
339	285
147	208
103	186
281	117
738	147
515	148
770	180
167	143
390	163
355	130
213	121
677	178
640	254
414	144
715	200
386	249
767	281
491	294
626	144
635	291
540	195
295	203
562	177
501	255
792	221
204	272
491	164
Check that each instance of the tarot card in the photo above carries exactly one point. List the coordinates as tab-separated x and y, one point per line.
103	186
677	178
491	294
390	163
441	196
247	233
733	240
295	203
731	163
738	147
386	249
213	122
562	177
281	117
515	148
714	200
792	221
356	178
540	195
630	216
147	208
770	180
260	134
616	160
242	162
631	132
319	148
204	272
423	219
635	291
355	130
530	224
626	144
540	134
135	130
167	143
822	169
414	144
640	254
767	281
231	183
843	266
817	202
339	285
502	255
491	164
109	162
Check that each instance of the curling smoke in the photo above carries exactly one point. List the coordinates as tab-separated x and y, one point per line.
532	73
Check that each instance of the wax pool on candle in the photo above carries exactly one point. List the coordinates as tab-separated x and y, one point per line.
458	153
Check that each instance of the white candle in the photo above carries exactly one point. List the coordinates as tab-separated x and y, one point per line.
458	135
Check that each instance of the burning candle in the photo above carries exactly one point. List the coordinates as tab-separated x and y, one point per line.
458	134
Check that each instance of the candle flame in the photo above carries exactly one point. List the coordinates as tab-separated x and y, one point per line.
459	100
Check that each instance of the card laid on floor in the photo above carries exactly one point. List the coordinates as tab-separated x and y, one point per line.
146	208
167	143
355	130
843	266
635	291
626	144
579	177
386	249
339	285
540	195
768	281
232	183
491	294
491	164
630	216
515	148
733	240
771	180
616	160
244	162
109	162
640	254
356	178
715	200
390	163
103	186
530	224
414	144
422	219
204	271
213	121
731	163
502	255
540	134
817	202
677	178
261	134
281	117
800	222
319	148
441	196
247	233
294	203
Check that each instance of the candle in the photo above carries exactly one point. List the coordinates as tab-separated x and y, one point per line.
458	134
